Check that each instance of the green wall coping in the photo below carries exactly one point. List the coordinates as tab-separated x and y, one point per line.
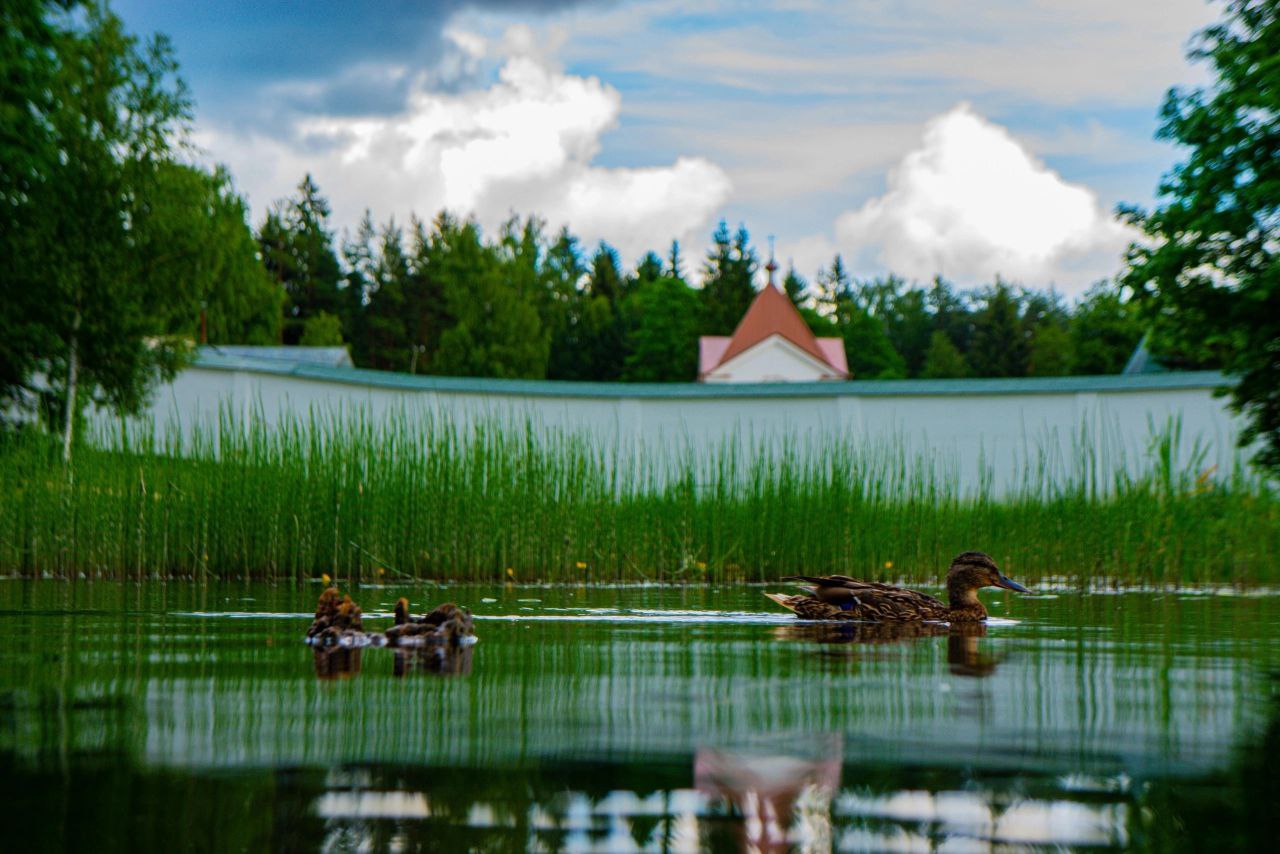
208	360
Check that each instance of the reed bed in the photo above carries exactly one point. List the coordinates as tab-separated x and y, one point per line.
365	499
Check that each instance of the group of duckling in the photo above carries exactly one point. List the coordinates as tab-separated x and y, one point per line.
340	622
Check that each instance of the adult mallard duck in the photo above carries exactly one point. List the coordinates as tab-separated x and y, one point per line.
337	617
839	597
447	624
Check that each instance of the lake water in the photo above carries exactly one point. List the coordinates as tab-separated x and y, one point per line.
187	717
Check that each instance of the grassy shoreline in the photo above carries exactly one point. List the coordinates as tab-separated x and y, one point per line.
388	499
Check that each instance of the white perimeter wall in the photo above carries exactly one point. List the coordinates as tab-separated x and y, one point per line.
974	431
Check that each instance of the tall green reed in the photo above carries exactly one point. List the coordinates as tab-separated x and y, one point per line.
412	495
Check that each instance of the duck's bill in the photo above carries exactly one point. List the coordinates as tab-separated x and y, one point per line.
1010	584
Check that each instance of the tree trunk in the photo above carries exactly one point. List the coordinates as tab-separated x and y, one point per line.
73	370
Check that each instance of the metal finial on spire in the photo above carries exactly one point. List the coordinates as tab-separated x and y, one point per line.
772	266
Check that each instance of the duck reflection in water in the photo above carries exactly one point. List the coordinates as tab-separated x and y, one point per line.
964	654
336	662
784	798
436	658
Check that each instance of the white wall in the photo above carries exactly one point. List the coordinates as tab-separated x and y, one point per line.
972	430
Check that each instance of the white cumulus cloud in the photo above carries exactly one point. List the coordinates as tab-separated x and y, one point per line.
524	145
972	202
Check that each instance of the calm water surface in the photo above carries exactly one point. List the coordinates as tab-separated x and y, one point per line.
187	717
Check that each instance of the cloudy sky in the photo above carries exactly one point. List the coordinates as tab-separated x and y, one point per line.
912	136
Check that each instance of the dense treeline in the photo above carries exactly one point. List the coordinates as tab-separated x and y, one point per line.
120	250
440	298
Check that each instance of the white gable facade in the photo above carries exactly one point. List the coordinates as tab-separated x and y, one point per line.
773	360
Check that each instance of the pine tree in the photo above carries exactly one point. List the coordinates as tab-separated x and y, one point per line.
297	249
728	280
1000	348
867	348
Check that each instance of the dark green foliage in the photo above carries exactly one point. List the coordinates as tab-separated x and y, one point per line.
664	322
942	359
297	248
1000	347
795	287
1105	328
496	330
1209	272
728	280
202	237
90	192
866	345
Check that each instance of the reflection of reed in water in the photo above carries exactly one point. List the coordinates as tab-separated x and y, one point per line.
444	659
964	656
336	662
784	799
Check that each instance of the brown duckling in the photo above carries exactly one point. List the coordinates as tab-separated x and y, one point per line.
446	624
337	617
839	597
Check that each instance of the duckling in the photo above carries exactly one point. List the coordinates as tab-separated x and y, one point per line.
839	597
446	624
337	617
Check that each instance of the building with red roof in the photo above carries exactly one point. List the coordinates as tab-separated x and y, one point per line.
771	344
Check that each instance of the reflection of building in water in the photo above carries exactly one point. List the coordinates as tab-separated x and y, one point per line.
783	799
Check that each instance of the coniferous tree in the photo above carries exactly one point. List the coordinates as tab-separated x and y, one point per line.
570	338
867	348
297	249
357	287
675	263
496	331
1000	348
951	314
728	280
604	332
388	343
795	287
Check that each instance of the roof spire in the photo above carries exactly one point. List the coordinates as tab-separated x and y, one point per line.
772	266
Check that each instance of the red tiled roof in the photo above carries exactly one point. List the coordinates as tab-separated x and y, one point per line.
772	313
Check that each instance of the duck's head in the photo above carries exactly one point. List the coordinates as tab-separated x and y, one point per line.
971	571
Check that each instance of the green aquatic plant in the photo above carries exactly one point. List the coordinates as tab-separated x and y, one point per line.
415	496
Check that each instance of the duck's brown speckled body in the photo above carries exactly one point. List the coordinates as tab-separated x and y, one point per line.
447	624
336	617
839	597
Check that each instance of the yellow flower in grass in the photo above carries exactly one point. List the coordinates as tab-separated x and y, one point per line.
888	564
381	571
511	573
702	565
580	565
324	576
